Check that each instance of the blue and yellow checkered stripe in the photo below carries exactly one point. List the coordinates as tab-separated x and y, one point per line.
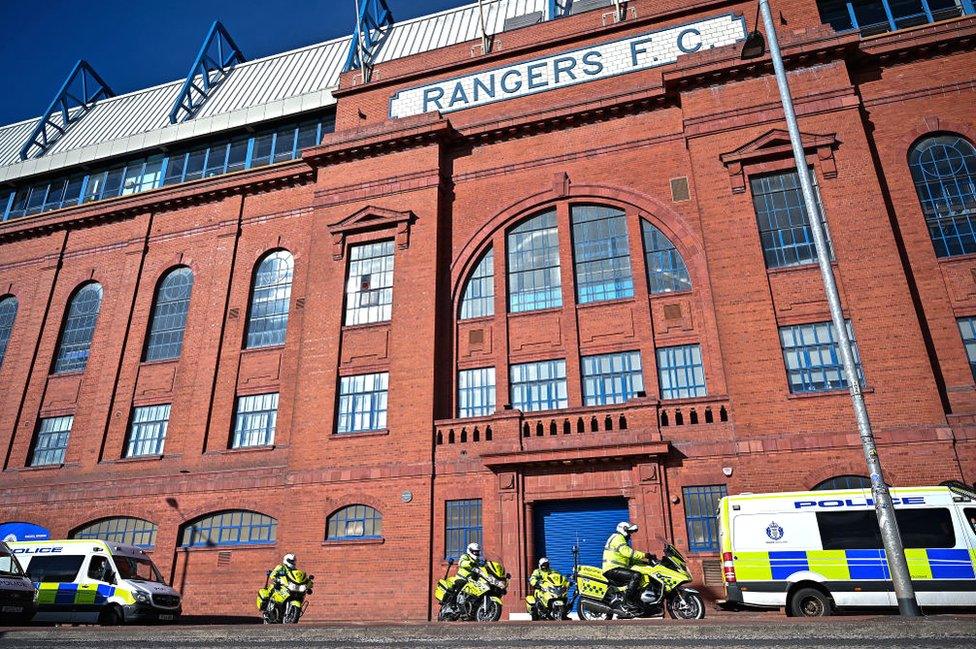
834	565
53	593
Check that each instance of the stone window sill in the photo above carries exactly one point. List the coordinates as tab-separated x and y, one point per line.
826	393
377	541
364	433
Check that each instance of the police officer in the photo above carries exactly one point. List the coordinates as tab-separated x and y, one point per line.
539	574
467	564
618	558
280	571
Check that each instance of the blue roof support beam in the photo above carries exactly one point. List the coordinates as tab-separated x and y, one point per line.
217	57
374	20
77	95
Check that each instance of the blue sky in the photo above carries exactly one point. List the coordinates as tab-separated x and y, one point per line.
137	44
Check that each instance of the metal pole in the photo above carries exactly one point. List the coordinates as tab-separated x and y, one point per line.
904	591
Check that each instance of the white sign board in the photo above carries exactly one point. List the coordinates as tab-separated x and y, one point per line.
569	68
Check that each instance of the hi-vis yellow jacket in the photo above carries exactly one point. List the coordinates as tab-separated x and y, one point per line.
617	553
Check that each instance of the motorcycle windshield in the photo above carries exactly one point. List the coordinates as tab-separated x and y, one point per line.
671	554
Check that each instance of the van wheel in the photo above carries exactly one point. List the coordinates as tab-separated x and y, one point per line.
111	616
810	602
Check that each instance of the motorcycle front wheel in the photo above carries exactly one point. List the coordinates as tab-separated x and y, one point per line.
591	613
488	611
686	606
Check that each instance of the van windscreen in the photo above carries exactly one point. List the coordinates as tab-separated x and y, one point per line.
61	569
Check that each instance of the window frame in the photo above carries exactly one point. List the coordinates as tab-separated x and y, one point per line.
598	253
806	352
946	221
478	295
379	262
968	336
377	418
553	393
190	531
469	525
522	264
626	378
157	328
487	392
9	306
154	443
369	517
678	371
61	363
270	301
651	234
121	529
56	452
265	411
775	257
695	498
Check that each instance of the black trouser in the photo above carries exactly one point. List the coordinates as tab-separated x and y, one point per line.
626	577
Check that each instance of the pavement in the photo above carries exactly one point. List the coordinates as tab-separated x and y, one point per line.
875	632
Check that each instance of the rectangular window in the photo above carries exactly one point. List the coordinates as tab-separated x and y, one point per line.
462	525
784	228
967	328
255	422
533	265
680	372
369	290
539	386
363	402
147	433
611	378
216	160
52	440
701	516
812	357
859	530
602	254
476	392
54	569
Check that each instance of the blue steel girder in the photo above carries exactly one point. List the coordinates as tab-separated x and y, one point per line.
373	23
218	55
77	95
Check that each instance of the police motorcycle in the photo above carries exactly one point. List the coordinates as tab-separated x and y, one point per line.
662	586
549	599
283	600
479	599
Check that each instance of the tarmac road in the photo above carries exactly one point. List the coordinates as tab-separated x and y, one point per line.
937	632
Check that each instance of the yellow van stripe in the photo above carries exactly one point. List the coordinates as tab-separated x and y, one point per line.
832	564
918	564
753	566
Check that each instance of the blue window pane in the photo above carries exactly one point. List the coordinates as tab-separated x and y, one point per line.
363	402
354	522
237	527
844	482
533	265
813	358
169	315
79	327
131	531
680	372
147	432
944	170
539	386
479	293
784	228
476	392
602	254
51	441
611	378
462	526
967	328
872	17
255	420
8	314
267	321
701	516
666	270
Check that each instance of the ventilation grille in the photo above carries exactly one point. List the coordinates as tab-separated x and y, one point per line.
712	572
223	558
679	189
517	22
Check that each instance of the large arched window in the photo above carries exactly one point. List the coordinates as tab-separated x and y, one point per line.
479	293
169	315
124	529
666	270
844	482
8	313
601	253
354	522
79	327
236	527
533	264
944	170
270	298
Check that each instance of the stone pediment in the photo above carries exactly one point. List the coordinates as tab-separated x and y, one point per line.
775	144
369	219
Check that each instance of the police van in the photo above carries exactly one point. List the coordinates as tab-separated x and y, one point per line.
88	581
812	552
17	593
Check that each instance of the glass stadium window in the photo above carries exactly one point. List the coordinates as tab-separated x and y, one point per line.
611	378
539	386
944	170
476	392
812	358
533	264
967	328
601	253
783	225
878	16
354	522
479	293
666	270
147	432
79	327
844	482
169	315
124	529
255	420
51	440
363	402
462	526
680	372
8	314
369	289
267	321
236	527
701	516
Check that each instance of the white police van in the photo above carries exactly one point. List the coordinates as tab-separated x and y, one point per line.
92	581
17	593
812	552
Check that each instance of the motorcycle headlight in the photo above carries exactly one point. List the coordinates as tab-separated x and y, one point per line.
556	590
142	598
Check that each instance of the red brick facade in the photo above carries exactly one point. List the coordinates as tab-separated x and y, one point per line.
445	188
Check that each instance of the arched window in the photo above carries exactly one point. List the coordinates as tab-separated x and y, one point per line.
601	253
533	264
169	315
268	318
8	313
944	170
237	527
124	529
354	522
79	327
666	270
479	293
844	482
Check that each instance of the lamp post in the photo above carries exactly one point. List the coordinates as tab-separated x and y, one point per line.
890	537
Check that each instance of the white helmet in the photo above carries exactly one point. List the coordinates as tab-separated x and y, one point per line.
289	561
474	549
626	528
544	562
